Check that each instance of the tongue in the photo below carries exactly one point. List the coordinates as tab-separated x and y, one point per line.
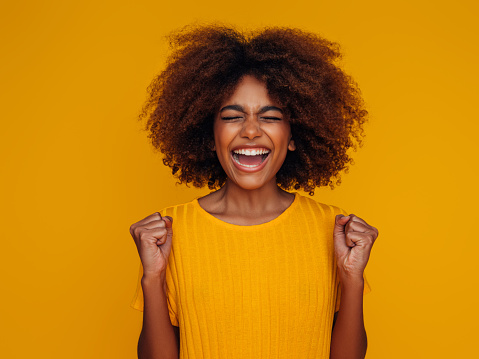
250	160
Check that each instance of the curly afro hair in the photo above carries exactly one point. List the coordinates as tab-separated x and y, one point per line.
323	104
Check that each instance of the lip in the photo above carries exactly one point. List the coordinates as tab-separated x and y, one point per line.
249	169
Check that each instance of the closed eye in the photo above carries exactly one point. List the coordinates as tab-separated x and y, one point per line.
240	117
272	118
230	118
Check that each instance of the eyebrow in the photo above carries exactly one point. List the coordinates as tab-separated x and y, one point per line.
241	109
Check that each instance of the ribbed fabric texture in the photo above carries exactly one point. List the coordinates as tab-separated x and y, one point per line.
262	291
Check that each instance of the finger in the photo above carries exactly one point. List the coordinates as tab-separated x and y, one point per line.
357	227
152	217
357	219
359	239
155	224
349	241
135	226
155	235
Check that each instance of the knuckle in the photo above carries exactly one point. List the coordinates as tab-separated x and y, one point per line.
373	232
137	231
132	228
162	232
143	233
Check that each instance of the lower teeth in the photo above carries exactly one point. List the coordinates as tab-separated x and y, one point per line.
249	166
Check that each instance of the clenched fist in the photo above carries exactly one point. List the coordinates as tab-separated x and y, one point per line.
153	236
353	241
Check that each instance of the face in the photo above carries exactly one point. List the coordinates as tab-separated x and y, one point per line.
252	136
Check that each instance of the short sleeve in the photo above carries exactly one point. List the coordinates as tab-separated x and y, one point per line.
138	301
367	289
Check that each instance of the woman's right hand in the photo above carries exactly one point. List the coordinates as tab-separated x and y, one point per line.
153	237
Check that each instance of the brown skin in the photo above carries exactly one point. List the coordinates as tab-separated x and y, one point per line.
251	197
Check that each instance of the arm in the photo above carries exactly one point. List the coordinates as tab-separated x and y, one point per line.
348	339
153	237
353	240
159	339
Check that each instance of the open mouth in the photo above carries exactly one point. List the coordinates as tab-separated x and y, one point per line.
250	158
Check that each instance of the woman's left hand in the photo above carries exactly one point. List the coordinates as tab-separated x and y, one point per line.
353	241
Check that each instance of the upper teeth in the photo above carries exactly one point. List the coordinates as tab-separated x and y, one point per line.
260	151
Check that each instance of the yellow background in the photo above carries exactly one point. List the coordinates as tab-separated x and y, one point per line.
77	169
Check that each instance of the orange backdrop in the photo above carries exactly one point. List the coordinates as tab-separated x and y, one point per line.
77	169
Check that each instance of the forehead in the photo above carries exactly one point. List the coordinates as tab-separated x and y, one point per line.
249	92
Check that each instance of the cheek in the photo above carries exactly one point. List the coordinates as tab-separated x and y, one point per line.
222	138
218	139
283	137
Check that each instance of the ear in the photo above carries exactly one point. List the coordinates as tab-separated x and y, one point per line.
212	146
291	145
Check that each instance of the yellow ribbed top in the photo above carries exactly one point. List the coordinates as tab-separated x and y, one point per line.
262	291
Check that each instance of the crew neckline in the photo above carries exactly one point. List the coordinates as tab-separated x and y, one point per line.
270	223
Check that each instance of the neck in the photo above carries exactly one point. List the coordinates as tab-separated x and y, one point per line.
260	200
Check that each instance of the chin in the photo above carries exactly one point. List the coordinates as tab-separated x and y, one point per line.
250	187
251	184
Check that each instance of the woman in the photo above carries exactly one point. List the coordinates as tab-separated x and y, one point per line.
251	270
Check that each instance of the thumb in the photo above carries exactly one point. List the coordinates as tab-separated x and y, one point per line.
169	235
168	221
339	224
168	224
339	236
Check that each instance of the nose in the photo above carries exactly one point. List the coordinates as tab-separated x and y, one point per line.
251	128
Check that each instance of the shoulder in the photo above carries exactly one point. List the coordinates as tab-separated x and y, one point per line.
317	208
180	210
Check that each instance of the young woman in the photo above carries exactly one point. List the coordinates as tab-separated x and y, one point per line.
252	270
